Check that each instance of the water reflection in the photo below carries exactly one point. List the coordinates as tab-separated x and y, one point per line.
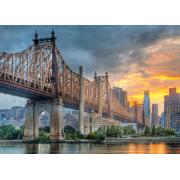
31	148
88	148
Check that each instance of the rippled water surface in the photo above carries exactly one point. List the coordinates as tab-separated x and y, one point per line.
87	148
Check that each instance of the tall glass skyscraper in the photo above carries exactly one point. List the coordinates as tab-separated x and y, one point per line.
147	112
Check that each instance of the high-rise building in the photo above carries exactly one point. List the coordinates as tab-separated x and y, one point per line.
154	117
147	114
162	120
121	96
172	110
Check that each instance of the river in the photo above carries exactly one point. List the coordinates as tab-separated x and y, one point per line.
89	148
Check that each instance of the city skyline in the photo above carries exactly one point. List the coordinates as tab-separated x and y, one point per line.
137	57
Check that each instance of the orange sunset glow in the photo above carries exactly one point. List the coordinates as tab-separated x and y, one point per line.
160	72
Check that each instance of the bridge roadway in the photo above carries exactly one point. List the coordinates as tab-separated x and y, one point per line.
19	89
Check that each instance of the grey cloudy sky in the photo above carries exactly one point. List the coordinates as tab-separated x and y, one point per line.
96	47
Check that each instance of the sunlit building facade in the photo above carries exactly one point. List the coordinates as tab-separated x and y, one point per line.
172	110
154	117
138	113
147	111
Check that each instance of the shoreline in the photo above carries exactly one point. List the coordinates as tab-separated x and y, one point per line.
169	139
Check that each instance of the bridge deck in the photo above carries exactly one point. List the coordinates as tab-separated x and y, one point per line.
25	92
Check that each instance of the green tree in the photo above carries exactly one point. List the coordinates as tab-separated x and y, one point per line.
91	136
71	133
9	132
125	130
147	131
69	130
112	131
160	131
169	132
153	132
132	131
100	136
120	132
108	131
43	137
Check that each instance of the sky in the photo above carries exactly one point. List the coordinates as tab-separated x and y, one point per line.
137	58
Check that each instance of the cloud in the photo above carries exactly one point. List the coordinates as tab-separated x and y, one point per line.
135	56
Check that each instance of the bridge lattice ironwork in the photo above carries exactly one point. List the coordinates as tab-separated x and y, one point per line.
41	72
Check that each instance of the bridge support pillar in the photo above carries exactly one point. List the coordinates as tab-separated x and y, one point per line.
57	121
81	100
29	133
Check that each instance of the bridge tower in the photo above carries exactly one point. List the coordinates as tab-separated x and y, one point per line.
100	95
103	93
53	106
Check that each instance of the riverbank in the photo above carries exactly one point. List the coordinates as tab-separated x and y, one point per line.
16	141
168	139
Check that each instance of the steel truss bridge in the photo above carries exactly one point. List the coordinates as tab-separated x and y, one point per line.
40	72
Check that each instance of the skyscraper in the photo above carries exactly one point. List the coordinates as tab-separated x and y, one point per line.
162	120
147	114
121	96
172	110
155	118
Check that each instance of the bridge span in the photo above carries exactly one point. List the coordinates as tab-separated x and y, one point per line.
41	75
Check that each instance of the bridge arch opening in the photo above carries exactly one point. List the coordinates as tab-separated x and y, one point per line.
44	121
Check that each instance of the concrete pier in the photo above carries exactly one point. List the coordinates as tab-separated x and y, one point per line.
34	109
29	122
57	121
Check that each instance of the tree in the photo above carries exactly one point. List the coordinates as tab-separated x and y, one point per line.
100	136
69	130
153	132
160	131
108	131
169	132
125	130
147	131
120	132
72	133
9	132
132	131
91	135
112	131
43	136
128	130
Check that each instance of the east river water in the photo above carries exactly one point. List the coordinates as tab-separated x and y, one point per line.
89	148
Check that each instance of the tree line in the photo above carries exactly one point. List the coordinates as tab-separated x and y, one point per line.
9	132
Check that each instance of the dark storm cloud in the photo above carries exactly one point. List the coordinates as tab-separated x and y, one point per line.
109	47
97	47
